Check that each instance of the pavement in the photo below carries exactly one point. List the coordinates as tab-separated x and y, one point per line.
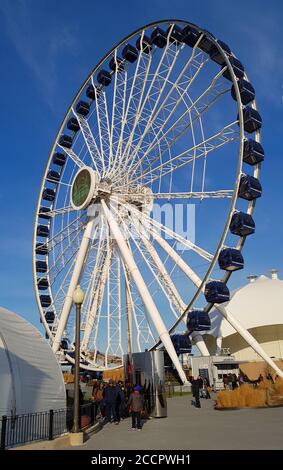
188	428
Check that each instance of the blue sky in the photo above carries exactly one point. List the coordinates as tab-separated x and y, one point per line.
47	49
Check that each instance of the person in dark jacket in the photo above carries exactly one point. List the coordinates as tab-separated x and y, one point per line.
135	404
195	390
110	399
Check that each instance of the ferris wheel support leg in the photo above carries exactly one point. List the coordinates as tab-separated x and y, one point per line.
143	290
223	310
248	337
200	344
176	298
73	283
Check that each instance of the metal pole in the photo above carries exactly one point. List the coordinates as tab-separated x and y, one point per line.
76	425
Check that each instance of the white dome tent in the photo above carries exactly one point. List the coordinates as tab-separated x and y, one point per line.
258	306
30	376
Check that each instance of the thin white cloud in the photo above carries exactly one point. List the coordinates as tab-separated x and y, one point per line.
38	45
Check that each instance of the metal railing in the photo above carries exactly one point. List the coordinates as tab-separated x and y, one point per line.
24	428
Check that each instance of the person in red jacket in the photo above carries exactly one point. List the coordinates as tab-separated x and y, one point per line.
135	404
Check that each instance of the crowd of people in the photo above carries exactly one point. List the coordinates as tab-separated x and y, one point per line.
116	401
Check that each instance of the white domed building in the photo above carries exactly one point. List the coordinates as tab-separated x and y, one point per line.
30	375
258	307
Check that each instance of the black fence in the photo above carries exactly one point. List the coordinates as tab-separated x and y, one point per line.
24	428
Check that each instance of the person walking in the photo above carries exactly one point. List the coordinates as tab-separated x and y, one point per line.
135	404
195	390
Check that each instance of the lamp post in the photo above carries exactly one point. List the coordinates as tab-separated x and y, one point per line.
78	298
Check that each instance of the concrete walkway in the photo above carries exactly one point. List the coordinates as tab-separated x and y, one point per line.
190	428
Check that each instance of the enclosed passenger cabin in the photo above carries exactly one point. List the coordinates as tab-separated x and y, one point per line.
92	92
206	44
53	176
42	283
73	124
41	249
44	213
250	188
216	292
45	300
242	224
253	152
41	266
216	55
181	343
237	67
59	158
230	259
48	194
50	317
198	320
104	77
130	53
175	35
159	37
246	90
190	35
82	108
42	231
64	344
144	44
116	64
252	120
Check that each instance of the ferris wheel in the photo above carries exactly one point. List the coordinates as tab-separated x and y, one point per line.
147	197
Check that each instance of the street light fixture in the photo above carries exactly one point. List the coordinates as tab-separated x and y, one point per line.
78	298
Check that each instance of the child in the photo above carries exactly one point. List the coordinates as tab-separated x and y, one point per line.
135	404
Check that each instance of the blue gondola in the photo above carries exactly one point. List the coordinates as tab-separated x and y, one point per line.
250	188
216	55
104	77
176	34
237	67
73	124
41	266
253	152
64	344
116	64
144	44
246	90
45	300
42	283
242	224
230	259
50	317
44	213
92	92
48	194
190	35
206	43
53	176
216	292
41	249
42	231
59	159
66	141
181	343
198	320
130	53
252	120
82	108
158	37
